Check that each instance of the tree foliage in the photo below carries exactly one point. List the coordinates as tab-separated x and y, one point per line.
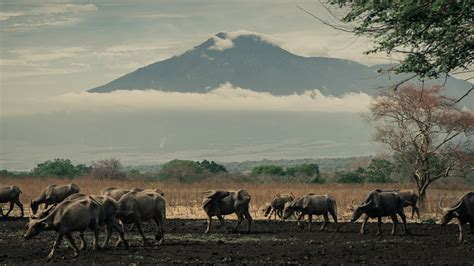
212	167
268	170
60	168
180	170
108	169
379	171
426	130
435	37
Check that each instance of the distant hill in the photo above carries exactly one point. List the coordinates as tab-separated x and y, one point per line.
253	62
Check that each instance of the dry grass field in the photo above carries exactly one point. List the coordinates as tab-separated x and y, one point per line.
184	200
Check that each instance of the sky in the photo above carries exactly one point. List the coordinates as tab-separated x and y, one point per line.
55	47
51	52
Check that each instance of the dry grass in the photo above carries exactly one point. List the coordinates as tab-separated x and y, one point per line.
184	200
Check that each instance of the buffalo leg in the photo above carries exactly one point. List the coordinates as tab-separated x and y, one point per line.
413	210
298	221
460	238
72	244
56	244
83	241
395	223
240	218
334	217
18	203
159	231
1	211
471	224
138	225
108	234
404	221
119	227
379	225
95	241
326	220
10	209
249	220
221	220
364	223
209	222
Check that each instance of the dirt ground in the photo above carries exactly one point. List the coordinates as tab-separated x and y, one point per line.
269	242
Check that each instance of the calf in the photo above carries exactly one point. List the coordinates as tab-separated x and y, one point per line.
277	204
311	204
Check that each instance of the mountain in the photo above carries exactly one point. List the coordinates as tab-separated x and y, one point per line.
253	62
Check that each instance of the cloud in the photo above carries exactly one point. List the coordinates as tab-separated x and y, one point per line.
224	98
221	44
8	15
152	16
45	15
225	41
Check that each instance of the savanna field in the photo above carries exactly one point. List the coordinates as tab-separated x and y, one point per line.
268	242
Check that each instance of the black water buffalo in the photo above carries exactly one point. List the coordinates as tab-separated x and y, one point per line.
378	205
463	210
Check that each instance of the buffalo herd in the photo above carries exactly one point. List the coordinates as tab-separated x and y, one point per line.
66	210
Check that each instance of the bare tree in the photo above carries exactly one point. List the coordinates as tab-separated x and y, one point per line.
426	130
108	169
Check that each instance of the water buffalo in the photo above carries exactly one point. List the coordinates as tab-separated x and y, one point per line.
409	197
463	211
107	217
378	205
117	193
219	203
135	207
312	204
10	194
277	204
65	218
53	194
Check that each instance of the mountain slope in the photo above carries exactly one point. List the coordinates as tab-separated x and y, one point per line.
250	61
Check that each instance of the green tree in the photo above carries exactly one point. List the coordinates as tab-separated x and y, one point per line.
379	171
268	170
357	176
181	170
310	170
57	167
212	166
436	38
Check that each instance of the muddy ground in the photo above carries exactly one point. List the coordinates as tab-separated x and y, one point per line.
269	242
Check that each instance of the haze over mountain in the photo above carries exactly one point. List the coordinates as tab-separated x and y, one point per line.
256	62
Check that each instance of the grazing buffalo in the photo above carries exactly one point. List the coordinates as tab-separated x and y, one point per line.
11	194
463	211
53	194
65	218
135	207
409	197
312	204
219	203
378	205
276	205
